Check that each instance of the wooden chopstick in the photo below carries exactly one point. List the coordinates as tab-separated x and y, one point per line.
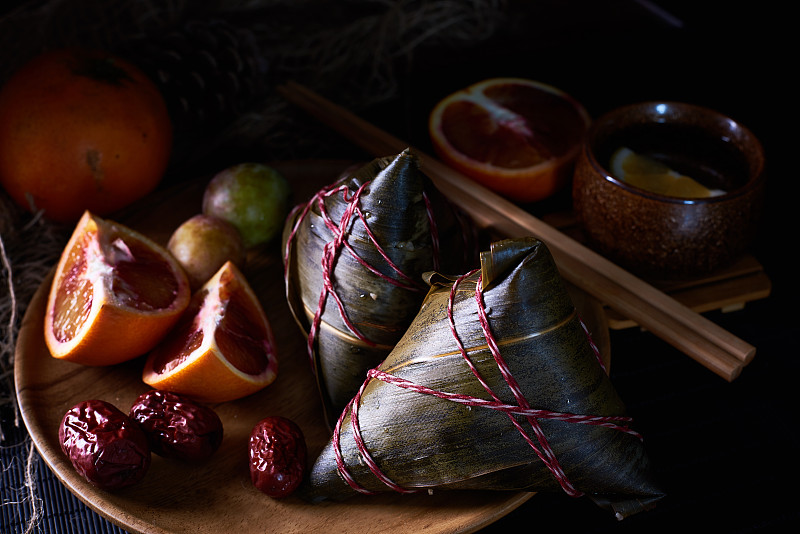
696	336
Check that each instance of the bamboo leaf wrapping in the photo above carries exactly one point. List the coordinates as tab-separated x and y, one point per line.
355	255
426	421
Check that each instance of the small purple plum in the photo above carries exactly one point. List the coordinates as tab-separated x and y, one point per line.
202	244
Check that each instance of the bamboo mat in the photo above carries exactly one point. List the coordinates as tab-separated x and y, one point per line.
59	511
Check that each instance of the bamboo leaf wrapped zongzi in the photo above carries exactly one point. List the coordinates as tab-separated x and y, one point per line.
355	255
495	385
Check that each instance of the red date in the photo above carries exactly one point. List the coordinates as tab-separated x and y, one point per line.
278	455
176	427
104	445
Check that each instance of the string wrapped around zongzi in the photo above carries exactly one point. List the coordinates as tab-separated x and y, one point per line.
355	255
495	385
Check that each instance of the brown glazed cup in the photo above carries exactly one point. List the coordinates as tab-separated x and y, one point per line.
667	237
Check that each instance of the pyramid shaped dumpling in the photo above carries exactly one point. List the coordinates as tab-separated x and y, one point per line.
355	255
495	385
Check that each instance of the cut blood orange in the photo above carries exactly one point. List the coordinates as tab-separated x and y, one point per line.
115	294
221	349
517	137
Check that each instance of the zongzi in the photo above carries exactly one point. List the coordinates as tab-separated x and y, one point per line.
354	258
496	385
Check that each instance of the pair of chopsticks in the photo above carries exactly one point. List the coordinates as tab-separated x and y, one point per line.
699	338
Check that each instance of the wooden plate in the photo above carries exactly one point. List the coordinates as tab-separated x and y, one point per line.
217	496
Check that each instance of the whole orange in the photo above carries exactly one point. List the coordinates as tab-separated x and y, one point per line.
81	130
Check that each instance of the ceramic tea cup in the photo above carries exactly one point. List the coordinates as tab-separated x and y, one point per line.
649	230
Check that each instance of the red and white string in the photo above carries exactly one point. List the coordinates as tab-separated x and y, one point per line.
333	248
538	442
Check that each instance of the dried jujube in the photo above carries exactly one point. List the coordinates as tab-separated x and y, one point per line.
104	445
278	455
177	427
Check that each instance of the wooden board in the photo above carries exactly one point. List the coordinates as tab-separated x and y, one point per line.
217	496
727	289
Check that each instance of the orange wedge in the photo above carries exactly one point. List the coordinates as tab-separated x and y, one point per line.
515	136
115	294
222	348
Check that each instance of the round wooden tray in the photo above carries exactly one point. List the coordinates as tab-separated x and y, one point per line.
217	496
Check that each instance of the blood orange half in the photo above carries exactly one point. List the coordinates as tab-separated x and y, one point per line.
222	348
515	136
115	294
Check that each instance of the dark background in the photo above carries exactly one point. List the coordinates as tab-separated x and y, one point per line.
726	453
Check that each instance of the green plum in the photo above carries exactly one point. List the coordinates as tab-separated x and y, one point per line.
202	244
253	197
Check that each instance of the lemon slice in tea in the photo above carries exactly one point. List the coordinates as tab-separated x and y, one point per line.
647	173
